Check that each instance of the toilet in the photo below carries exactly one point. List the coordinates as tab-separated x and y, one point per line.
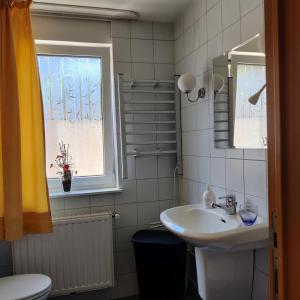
25	287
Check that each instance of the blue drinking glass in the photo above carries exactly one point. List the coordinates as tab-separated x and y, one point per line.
248	213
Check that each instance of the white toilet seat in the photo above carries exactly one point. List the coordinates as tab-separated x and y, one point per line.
38	297
25	287
41	296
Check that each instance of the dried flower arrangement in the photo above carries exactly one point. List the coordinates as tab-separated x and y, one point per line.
63	164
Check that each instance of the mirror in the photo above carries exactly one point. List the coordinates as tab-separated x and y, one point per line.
239	82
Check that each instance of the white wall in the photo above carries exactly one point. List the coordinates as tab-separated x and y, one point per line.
145	50
142	50
204	31
62	29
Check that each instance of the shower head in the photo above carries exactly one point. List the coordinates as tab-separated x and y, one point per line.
254	98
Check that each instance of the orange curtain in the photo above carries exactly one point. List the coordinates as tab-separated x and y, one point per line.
24	203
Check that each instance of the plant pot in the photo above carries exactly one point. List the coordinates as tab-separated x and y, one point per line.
66	182
67	185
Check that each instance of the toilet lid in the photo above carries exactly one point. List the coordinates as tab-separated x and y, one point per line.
25	286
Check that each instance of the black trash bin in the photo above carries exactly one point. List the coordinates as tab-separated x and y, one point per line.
160	261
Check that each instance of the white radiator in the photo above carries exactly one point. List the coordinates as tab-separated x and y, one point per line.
77	256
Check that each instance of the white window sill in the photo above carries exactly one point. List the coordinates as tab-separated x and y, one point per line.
75	193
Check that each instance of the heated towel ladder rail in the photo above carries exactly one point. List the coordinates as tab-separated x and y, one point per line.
149	119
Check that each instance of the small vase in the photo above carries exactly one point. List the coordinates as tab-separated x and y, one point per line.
67	181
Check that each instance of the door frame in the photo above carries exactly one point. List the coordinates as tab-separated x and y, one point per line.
274	139
282	26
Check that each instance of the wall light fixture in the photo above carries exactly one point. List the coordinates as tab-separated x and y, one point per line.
186	83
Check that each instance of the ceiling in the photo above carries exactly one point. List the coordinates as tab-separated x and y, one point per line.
150	10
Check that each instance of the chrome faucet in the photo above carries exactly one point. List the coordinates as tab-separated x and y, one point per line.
229	206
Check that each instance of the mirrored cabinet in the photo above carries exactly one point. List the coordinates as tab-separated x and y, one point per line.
239	82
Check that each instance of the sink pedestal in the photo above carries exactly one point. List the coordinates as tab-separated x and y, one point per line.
224	274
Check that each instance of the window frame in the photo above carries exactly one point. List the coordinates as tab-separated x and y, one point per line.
103	51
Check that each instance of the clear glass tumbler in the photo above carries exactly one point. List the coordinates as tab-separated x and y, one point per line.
248	213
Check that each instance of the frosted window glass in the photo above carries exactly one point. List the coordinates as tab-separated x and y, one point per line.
72	98
250	122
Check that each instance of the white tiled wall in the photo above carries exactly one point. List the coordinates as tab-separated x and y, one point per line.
142	50
147	50
205	30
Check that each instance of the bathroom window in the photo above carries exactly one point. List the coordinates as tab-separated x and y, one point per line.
250	126
76	92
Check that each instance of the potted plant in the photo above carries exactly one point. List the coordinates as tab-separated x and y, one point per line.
64	164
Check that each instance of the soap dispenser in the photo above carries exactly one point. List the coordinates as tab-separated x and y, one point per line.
208	197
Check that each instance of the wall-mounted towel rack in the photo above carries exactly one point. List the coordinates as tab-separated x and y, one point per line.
222	116
149	119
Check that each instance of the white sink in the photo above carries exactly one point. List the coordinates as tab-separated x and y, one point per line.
223	248
214	228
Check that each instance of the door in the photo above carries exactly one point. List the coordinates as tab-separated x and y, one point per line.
282	23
